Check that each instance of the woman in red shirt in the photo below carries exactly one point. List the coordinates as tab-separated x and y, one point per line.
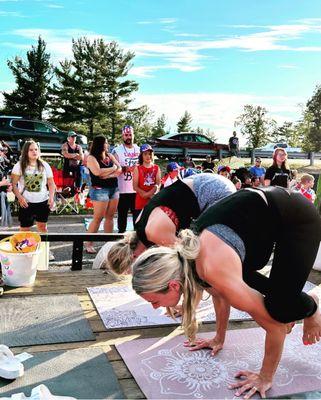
146	177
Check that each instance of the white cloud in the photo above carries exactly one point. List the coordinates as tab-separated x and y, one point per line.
288	66
54	6
10	14
145	22
187	55
218	111
167	21
59	42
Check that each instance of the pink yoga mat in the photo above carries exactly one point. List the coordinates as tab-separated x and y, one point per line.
167	370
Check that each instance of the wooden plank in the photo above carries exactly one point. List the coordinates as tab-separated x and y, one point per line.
131	389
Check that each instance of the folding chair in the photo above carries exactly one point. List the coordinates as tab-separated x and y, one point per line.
66	198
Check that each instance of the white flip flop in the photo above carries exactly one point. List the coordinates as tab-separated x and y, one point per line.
41	392
10	367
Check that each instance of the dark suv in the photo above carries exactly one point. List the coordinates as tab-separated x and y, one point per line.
15	130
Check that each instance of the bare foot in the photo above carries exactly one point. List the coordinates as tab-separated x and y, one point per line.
289	327
312	325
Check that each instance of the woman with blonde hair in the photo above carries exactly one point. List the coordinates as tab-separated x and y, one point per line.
278	174
223	255
169	211
30	178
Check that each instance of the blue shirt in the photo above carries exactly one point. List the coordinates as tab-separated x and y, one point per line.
257	171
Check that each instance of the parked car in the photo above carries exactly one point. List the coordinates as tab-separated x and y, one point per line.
272	146
15	130
183	143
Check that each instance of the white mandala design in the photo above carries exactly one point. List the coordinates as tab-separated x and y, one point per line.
116	318
184	373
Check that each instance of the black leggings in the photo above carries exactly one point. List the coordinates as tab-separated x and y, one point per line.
126	203
296	247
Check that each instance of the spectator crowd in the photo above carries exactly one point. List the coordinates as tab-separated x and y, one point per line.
120	181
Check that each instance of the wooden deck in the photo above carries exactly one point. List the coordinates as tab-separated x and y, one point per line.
76	282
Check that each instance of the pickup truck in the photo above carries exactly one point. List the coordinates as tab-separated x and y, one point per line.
16	130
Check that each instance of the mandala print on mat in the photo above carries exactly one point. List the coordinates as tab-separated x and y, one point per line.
115	318
184	373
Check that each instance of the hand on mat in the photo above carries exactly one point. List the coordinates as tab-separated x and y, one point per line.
250	384
177	311
216	344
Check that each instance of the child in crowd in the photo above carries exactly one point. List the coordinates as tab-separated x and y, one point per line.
171	176
224	170
307	183
237	183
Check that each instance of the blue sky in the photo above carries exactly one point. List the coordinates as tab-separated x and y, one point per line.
207	57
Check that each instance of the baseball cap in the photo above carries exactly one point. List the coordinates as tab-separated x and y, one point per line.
146	147
127	129
72	134
224	168
172	166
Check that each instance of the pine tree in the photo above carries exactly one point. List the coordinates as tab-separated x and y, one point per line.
32	78
158	129
184	124
92	87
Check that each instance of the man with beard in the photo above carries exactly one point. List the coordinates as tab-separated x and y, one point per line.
127	155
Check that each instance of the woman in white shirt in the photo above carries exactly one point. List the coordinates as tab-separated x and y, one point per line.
30	178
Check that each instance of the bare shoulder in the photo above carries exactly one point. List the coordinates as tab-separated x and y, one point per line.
217	260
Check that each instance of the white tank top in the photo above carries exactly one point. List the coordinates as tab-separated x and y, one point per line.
127	158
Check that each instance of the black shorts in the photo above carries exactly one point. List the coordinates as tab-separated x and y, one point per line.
35	211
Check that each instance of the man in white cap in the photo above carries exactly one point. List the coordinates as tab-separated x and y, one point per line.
127	155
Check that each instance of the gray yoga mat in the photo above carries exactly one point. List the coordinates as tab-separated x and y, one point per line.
31	320
81	373
120	307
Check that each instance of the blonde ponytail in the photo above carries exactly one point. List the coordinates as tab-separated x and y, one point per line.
120	255
157	266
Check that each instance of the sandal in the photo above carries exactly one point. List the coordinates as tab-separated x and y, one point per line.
90	250
10	367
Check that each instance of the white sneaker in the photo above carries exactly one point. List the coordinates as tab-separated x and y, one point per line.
10	367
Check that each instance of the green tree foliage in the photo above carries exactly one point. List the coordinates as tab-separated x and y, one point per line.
314	107
32	78
159	128
255	125
184	124
312	122
92	87
289	133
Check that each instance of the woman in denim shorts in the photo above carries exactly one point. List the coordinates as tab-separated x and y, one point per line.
103	169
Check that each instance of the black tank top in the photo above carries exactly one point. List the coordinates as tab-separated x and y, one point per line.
178	197
69	163
98	182
254	221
